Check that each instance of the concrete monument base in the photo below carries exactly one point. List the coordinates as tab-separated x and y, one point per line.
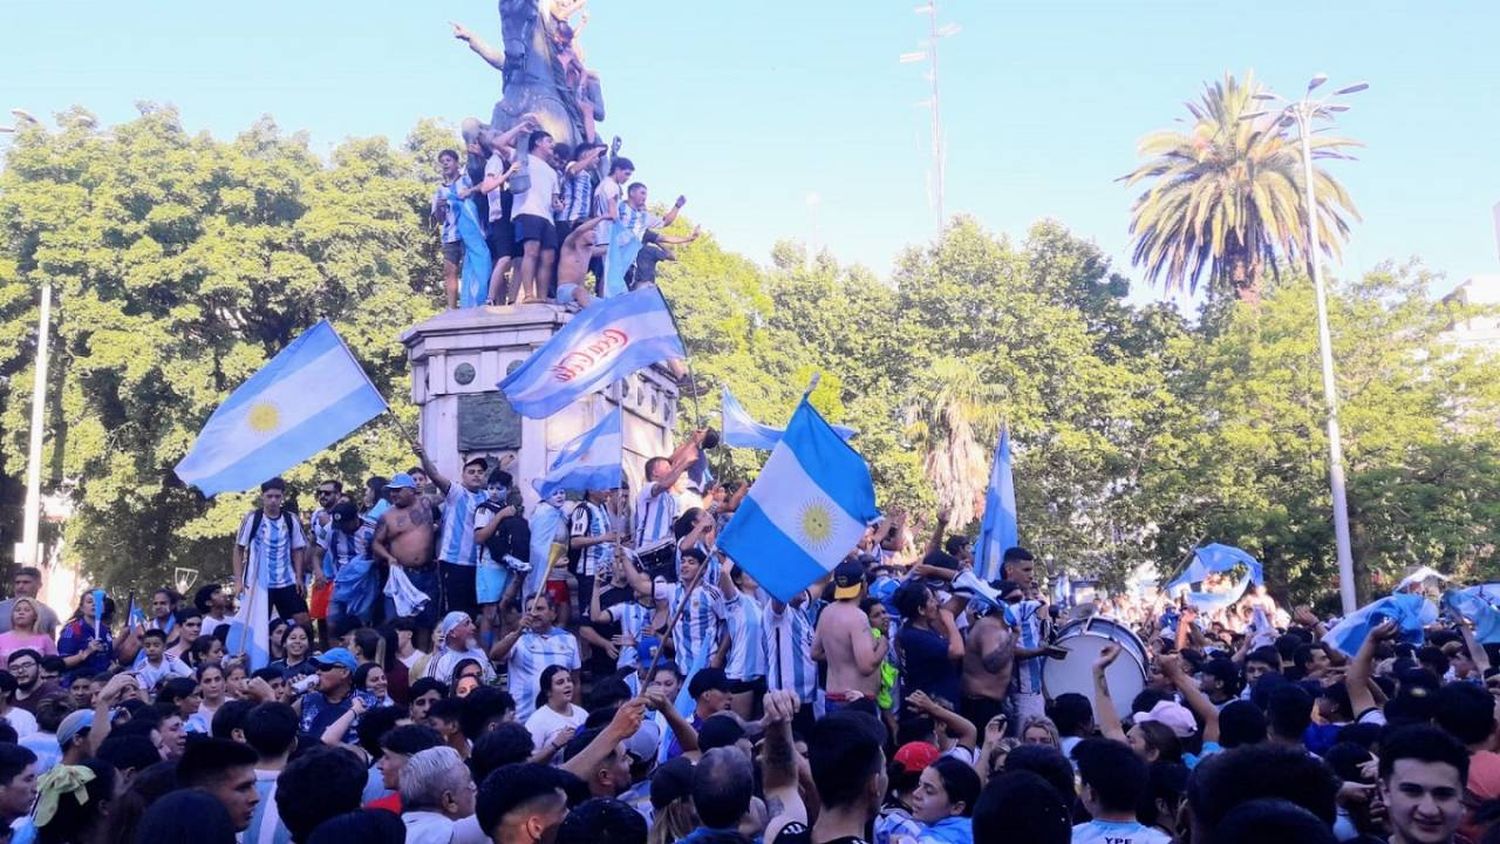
457	359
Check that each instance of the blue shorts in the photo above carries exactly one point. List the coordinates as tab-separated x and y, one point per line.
490	581
565	293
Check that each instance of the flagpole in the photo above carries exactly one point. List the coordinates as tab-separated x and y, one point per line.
686	361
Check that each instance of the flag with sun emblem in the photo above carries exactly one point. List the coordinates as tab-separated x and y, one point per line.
806	511
310	396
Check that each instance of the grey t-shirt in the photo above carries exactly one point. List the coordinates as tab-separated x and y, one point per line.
48	618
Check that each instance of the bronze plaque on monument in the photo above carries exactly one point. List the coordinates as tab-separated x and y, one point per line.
487	422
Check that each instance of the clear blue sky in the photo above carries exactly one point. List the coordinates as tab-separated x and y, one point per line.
749	106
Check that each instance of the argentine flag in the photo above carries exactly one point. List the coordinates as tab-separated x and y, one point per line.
806	511
311	395
605	342
1477	605
1216	558
740	430
589	461
623	247
1409	611
997	531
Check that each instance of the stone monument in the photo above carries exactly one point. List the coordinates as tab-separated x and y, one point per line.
457	359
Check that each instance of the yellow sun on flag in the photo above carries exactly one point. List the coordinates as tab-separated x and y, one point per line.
817	524
264	417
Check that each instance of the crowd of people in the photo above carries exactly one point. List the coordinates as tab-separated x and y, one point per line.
648	690
524	219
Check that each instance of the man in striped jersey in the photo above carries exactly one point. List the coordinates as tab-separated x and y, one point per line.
270	549
1026	617
456	551
656	509
788	634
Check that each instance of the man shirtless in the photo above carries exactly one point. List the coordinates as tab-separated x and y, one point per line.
573	264
403	539
989	661
843	640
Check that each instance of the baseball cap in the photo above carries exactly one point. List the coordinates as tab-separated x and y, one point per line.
645	649
337	658
1174	716
76	722
642	746
401	480
706	679
915	756
721	730
344	510
848	577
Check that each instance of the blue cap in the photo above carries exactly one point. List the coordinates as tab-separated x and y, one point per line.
337	658
401	480
75	723
646	649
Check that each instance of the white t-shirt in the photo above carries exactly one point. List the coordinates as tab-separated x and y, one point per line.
606	199
537	199
495	166
544	724
1118	832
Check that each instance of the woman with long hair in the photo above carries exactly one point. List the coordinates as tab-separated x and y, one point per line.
944	802
555	713
296	643
87	651
205	649
370	677
212	688
25	631
1040	730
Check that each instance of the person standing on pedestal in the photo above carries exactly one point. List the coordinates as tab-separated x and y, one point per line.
657	509
532	213
458	555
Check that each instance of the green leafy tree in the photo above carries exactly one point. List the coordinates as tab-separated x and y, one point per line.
1227	196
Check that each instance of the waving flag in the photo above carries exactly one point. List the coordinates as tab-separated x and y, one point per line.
1477	605
624	245
311	395
589	461
250	629
1214	559
805	512
602	344
742	431
1407	610
997	531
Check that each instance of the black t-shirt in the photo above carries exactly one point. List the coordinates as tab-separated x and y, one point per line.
797	832
599	662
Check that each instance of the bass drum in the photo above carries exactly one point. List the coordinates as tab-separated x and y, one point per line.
1084	640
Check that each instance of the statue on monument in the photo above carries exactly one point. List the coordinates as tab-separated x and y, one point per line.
542	69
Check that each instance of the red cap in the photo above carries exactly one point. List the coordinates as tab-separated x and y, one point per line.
915	756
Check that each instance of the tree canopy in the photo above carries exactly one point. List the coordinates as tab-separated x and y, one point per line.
181	263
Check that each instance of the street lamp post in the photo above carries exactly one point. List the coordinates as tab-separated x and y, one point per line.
27	551
1303	112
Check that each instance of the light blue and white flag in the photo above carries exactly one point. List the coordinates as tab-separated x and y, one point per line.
1477	604
549	537
624	245
590	460
1216	559
1208	603
605	342
806	511
1407	610
311	395
740	430
997	531
250	627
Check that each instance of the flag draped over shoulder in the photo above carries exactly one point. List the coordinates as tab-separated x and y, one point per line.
805	512
311	395
602	344
740	429
997	531
590	460
1409	611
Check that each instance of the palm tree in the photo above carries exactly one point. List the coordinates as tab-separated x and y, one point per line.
1227	196
956	411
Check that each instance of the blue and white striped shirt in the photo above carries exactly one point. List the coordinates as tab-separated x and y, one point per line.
632	618
268	556
654	515
1028	675
456	543
743	615
531	655
696	635
638	221
789	640
577	196
341	547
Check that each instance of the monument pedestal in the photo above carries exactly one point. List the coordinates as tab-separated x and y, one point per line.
457	359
